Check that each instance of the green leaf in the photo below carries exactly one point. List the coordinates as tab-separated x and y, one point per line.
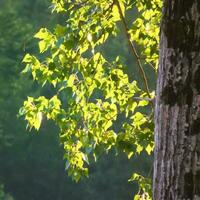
149	149
42	46
37	121
71	79
130	154
115	13
42	34
27	58
143	103
137	197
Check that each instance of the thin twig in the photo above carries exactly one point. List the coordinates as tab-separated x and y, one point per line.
151	65
144	99
133	49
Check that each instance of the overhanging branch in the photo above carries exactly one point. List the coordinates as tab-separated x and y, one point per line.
133	49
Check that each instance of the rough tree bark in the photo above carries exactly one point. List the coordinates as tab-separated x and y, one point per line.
177	110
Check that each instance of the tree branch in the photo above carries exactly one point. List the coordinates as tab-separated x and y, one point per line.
144	99
133	49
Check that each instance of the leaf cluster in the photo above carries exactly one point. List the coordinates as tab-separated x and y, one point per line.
92	93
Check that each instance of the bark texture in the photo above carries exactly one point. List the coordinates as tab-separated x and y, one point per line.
177	110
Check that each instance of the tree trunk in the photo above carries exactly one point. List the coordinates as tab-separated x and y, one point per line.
177	110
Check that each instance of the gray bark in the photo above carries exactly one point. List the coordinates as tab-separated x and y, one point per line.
177	109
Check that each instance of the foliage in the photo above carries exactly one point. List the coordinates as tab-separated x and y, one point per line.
145	29
32	166
3	195
144	187
93	95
